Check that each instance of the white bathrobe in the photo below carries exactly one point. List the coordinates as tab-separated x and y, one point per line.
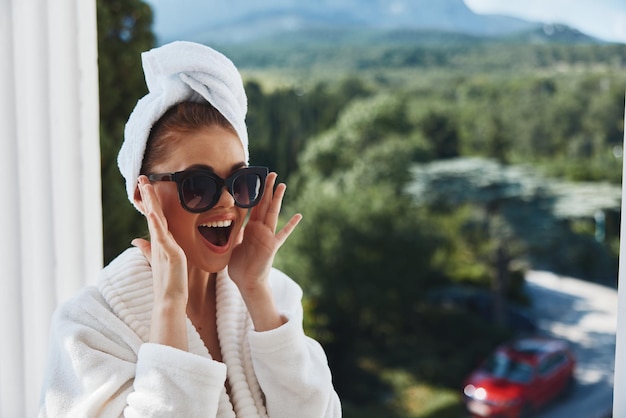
101	365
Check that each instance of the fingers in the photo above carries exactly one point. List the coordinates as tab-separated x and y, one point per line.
167	259
273	209
153	212
289	227
157	223
268	209
259	212
148	196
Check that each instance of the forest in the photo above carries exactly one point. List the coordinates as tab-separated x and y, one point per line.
419	161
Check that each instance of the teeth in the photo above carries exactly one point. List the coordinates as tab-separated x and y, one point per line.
218	224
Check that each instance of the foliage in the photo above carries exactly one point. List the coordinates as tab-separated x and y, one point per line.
568	121
516	209
282	120
124	31
366	255
349	185
547	120
412	399
363	51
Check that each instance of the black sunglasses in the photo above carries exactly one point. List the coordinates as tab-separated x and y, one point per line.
199	190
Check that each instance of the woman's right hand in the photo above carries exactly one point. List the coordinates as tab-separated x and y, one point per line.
169	271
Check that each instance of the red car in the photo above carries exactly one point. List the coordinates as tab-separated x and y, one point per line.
520	377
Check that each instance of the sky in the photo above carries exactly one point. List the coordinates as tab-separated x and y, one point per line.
605	19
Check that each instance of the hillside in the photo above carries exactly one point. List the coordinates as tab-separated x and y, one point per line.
352	50
243	21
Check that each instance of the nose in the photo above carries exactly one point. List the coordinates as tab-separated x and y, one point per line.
226	199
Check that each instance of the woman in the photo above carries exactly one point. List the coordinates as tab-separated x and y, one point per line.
194	322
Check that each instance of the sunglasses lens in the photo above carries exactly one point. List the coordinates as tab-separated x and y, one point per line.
247	189
199	192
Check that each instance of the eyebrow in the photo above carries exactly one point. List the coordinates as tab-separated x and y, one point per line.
235	167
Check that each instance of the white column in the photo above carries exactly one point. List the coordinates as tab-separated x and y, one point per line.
75	151
89	123
11	358
35	182
50	166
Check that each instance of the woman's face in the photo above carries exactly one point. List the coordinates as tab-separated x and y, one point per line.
220	151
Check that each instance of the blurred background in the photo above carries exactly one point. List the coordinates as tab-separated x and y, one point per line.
450	158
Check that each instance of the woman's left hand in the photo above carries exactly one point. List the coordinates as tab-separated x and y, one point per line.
252	258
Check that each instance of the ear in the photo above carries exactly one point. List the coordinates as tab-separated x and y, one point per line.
138	199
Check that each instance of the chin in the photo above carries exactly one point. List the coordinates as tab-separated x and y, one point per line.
215	264
199	258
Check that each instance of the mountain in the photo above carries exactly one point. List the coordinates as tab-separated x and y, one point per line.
244	20
554	33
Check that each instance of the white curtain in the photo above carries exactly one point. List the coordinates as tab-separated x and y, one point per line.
50	223
619	386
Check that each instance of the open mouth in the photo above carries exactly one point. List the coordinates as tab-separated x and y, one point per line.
217	232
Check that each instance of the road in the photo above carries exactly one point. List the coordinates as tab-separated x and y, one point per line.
586	315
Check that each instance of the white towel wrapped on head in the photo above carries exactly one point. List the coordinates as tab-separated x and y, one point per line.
180	72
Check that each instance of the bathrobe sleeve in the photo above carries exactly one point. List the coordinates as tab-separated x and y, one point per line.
97	366
292	368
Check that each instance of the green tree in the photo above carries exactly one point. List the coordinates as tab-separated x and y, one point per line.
281	121
442	131
519	215
365	253
124	31
365	259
